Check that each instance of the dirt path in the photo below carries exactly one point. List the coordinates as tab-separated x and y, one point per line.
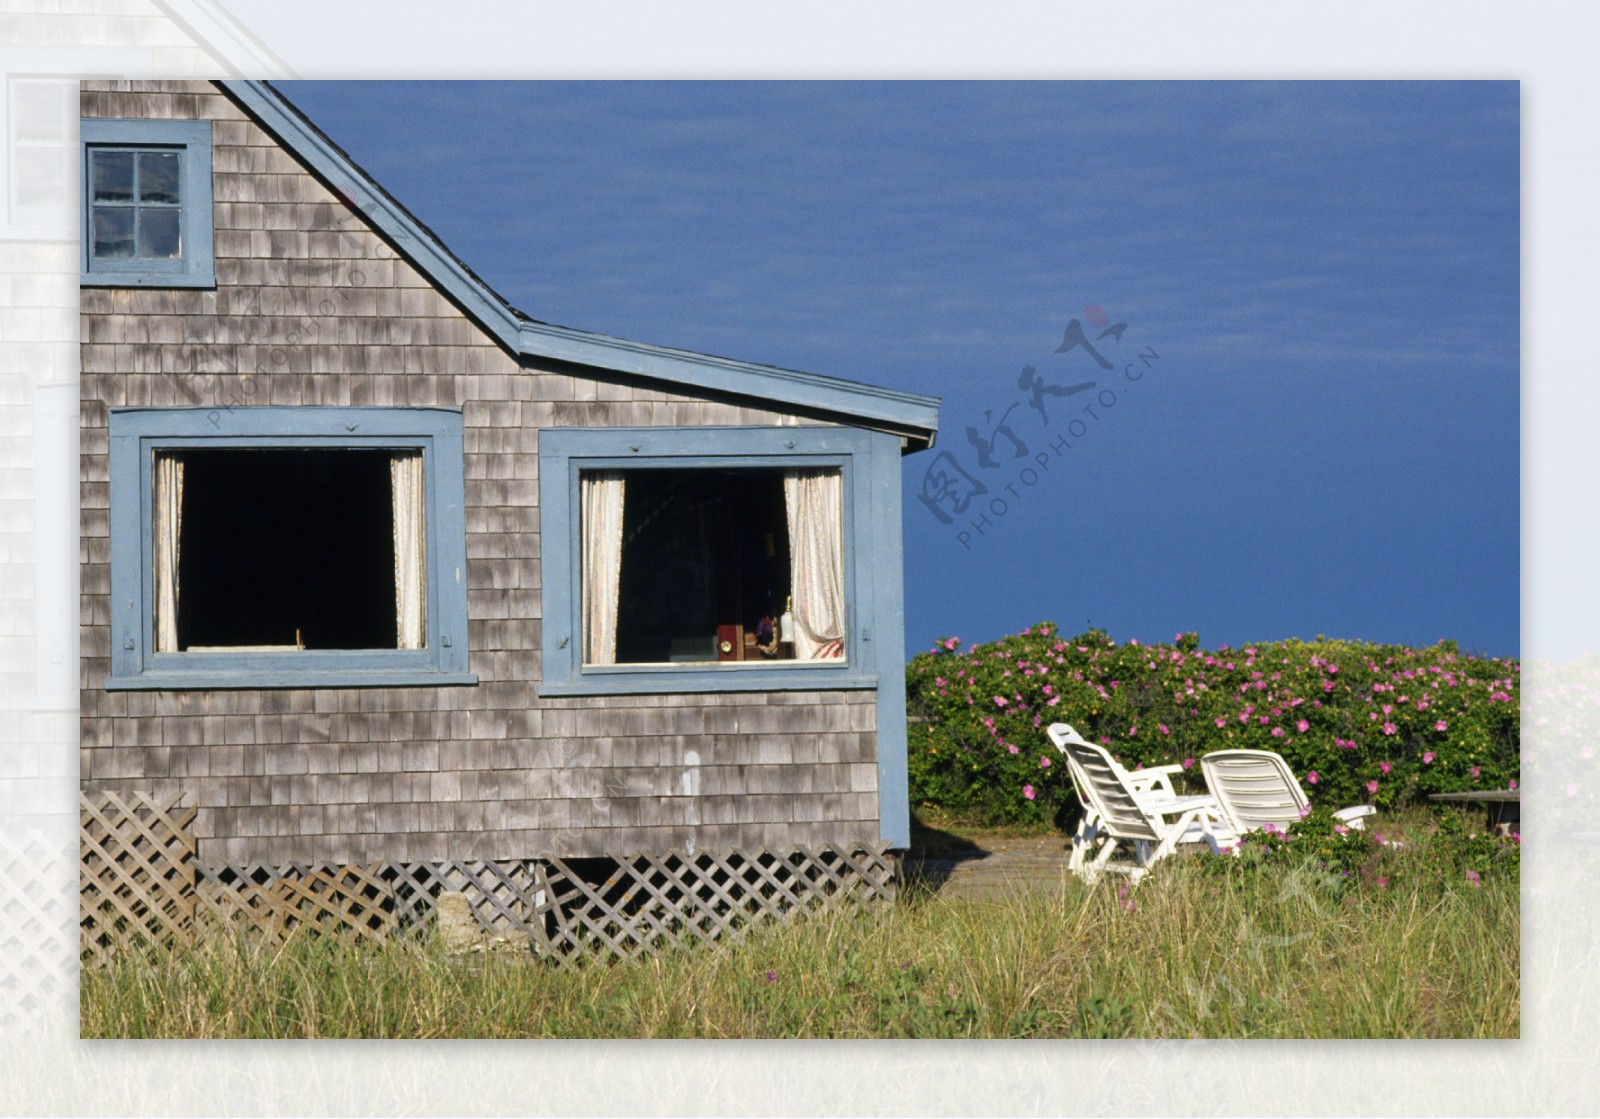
987	868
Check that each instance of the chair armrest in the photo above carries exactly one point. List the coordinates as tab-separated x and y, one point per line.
1153	779
1355	816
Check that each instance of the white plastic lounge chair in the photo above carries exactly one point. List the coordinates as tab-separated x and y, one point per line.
1129	811
1257	787
1154	783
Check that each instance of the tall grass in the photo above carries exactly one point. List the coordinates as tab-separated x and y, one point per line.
1281	952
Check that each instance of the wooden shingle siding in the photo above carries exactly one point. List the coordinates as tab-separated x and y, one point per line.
311	307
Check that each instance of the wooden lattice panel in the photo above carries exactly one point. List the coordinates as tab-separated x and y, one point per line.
136	877
280	899
142	882
508	896
38	949
650	901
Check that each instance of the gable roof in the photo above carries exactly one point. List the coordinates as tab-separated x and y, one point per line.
914	418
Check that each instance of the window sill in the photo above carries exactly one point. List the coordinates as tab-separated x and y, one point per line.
667	681
147	280
288	678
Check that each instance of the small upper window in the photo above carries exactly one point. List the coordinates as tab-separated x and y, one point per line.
147	203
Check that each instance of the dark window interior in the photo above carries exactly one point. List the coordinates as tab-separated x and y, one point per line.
701	549
279	541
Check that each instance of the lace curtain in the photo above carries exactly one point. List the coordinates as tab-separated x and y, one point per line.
813	500
168	534
410	549
600	495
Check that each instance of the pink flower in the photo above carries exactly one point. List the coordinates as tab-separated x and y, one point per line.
1388	728
1188	762
1302	726
1162	727
1012	747
1441	725
1385	767
1312	777
1027	791
1427	758
1001	701
1513	783
1221	722
1475	879
1372	786
1132	731
1383	883
1277	732
772	977
1304	812
1341	829
1044	763
1475	770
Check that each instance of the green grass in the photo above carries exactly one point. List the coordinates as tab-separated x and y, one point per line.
1280	951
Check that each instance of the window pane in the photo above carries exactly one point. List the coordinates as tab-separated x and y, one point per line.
113	176
158	234
704	561
280	548
113	233
42	179
158	177
40	110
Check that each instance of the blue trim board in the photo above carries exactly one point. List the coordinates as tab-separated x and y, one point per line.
137	433
197	267
914	417
881	479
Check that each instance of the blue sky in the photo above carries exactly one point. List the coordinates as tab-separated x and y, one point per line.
1327	443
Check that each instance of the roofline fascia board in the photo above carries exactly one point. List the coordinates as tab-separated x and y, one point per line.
906	413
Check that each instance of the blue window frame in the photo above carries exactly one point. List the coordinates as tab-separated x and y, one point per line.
146	212
566	454
142	437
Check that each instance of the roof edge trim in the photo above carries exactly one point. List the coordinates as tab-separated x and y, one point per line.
916	417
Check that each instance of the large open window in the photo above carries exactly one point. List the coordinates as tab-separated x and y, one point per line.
281	549
287	546
703	559
712	566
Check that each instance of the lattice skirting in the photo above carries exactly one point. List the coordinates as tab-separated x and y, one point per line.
142	882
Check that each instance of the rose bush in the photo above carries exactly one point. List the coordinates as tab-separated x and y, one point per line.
1358	723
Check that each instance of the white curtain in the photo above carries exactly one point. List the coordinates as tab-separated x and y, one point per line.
814	501
168	534
600	495
410	549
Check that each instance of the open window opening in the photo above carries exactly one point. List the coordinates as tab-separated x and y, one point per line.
707	566
288	549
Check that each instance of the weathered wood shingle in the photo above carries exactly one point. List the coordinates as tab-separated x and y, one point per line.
312	307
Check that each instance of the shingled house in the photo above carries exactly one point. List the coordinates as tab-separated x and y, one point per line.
378	569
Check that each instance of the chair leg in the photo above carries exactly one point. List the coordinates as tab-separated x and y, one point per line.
1108	847
1082	839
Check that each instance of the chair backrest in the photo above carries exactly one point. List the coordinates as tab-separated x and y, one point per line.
1103	784
1255	787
